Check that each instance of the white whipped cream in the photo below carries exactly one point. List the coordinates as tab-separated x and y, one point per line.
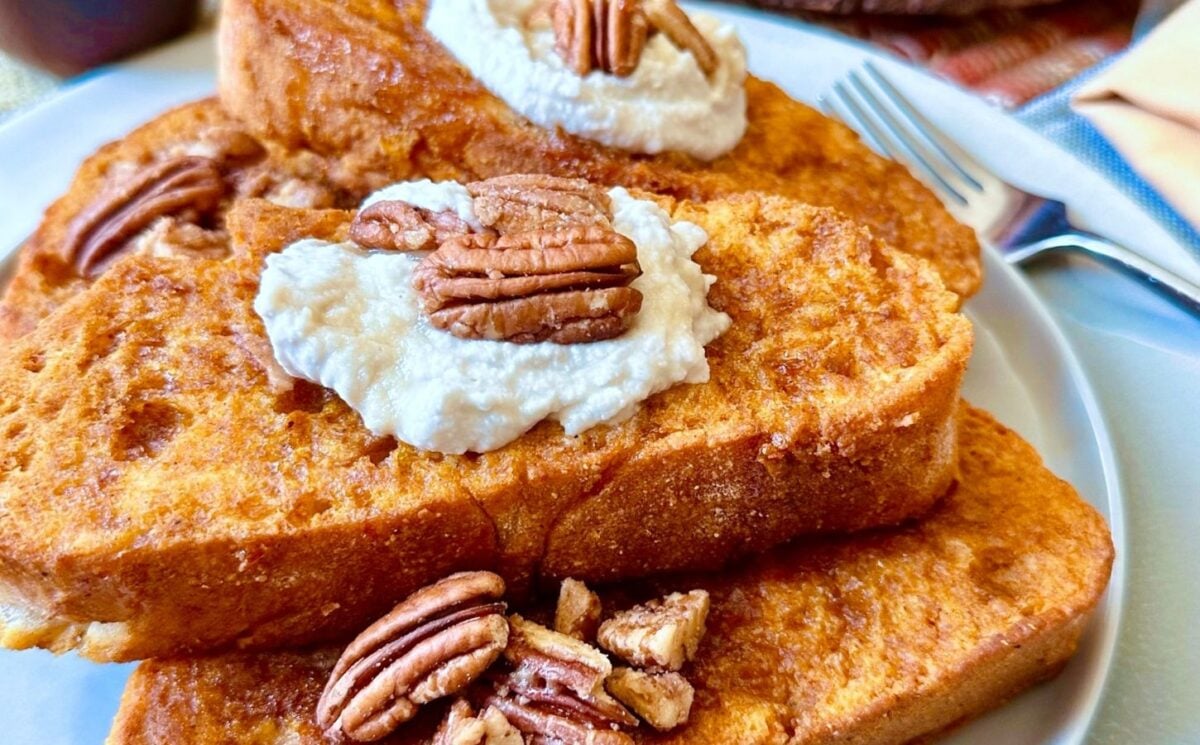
666	104
350	320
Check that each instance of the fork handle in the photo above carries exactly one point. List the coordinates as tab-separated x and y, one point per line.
1158	278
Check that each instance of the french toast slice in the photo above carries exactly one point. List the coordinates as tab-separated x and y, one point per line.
873	639
363	83
161	493
47	273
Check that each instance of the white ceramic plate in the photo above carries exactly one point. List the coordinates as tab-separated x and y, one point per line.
1022	370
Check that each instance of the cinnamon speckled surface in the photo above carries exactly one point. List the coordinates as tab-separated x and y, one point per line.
878	638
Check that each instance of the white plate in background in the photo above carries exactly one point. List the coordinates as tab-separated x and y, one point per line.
1023	370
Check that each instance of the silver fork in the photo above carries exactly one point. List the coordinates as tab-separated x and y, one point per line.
1023	226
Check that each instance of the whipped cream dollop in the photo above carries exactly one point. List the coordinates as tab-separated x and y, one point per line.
349	319
666	104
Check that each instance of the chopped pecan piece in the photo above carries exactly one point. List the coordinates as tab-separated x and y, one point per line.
170	237
300	193
525	202
662	700
431	645
463	726
578	612
400	226
660	635
120	213
566	286
610	35
537	653
555	687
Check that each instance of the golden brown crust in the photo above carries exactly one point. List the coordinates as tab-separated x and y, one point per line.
876	639
839	460
197	506
46	275
409	110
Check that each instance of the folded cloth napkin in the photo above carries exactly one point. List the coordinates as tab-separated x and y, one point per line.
1148	106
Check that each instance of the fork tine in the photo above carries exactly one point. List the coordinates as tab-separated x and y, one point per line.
867	124
833	111
867	115
870	128
949	149
933	161
829	109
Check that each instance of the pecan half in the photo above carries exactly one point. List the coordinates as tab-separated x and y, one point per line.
400	226
578	611
544	725
660	635
573	29
431	645
555	687
462	726
541	656
662	700
576	317
620	37
121	212
524	202
666	16
566	286
610	35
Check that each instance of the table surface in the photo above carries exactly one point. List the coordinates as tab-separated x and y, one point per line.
21	85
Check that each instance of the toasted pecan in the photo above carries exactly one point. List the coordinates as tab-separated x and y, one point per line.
577	613
400	226
462	726
666	16
433	644
659	635
523	202
610	35
553	725
566	286
555	688
123	211
662	700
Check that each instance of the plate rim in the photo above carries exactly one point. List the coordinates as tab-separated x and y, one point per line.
1112	604
1110	609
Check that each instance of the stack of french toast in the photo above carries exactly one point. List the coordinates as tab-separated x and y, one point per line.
382	399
